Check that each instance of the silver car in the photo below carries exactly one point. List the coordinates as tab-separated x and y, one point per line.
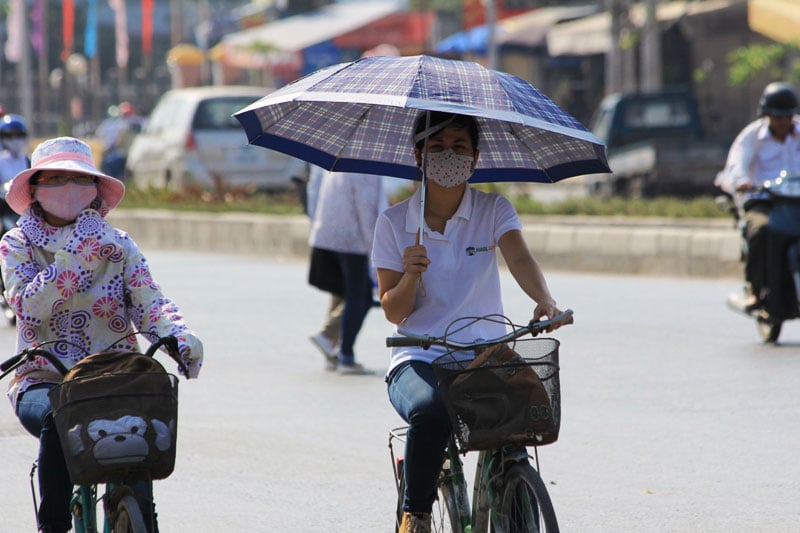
191	140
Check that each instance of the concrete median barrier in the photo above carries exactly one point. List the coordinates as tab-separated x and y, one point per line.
695	248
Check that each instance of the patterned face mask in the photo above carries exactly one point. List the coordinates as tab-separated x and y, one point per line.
448	169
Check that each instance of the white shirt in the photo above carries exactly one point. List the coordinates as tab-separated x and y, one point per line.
462	279
756	156
345	212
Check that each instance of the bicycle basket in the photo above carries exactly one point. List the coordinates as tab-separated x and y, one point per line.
503	396
116	414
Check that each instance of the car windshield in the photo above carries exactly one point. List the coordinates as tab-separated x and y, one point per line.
657	114
217	113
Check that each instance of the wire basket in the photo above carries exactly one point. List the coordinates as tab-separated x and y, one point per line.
117	426
504	395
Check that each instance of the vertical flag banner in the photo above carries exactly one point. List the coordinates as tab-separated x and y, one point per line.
120	31
14	30
90	37
37	35
67	27
147	27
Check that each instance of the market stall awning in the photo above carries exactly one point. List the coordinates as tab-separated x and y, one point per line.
777	19
408	31
283	38
592	35
529	30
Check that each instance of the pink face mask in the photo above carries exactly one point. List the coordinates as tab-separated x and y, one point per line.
67	200
448	169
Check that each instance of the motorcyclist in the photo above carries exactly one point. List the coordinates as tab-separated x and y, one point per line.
117	133
14	155
763	150
13	160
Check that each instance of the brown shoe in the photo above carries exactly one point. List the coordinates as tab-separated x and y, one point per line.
415	523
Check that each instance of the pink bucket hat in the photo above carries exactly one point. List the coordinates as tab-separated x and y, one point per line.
66	154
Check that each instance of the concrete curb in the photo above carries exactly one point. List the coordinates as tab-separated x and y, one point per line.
694	248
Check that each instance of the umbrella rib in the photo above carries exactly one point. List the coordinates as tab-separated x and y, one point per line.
532	153
337	156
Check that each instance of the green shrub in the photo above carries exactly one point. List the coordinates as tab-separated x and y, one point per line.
288	203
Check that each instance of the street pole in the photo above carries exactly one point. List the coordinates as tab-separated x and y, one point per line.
651	49
614	54
24	79
44	73
175	22
491	24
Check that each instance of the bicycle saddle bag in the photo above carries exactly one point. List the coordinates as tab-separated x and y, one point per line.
117	416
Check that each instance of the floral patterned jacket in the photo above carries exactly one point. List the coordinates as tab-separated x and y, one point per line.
87	284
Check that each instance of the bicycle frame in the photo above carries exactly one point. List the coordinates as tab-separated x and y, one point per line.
84	509
83	506
473	515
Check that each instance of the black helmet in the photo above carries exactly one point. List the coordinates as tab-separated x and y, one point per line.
13	125
778	100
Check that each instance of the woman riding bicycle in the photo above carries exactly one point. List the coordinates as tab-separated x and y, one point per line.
425	288
70	276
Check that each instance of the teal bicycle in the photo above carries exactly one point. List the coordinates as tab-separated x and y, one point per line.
497	407
121	511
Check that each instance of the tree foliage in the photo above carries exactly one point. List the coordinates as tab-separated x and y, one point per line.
778	60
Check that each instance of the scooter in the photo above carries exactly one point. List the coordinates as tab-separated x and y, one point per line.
784	283
8	220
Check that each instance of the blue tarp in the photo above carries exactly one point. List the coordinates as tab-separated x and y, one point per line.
472	41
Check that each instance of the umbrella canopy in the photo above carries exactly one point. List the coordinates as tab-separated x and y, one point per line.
359	117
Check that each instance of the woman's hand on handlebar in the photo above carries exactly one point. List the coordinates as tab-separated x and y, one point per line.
549	309
192	355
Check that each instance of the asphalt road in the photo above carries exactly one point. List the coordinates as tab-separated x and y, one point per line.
675	416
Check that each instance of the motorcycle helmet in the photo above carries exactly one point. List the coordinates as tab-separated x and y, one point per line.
13	126
125	109
778	100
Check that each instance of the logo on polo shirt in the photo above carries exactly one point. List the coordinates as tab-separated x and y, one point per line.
472	250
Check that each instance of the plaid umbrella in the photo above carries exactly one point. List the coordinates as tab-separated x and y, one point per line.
359	117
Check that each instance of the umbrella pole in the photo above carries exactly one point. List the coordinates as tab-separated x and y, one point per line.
423	191
423	185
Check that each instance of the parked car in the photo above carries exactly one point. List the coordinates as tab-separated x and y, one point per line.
656	145
192	140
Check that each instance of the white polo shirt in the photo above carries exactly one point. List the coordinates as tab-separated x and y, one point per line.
462	279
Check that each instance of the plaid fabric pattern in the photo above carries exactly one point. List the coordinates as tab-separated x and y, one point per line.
360	116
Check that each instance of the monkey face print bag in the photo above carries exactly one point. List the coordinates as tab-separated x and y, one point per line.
117	417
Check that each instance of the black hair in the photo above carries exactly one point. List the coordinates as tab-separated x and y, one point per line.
437	117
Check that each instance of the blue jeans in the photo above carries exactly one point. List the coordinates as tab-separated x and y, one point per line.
357	301
414	393
55	486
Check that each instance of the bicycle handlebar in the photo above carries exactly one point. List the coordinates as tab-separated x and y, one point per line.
29	353
12	363
171	344
426	341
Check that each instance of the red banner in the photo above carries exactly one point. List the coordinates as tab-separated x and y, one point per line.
67	27
147	27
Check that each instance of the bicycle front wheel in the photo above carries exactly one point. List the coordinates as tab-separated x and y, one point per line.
128	517
523	504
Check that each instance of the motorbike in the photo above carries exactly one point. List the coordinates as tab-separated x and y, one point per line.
782	302
8	220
